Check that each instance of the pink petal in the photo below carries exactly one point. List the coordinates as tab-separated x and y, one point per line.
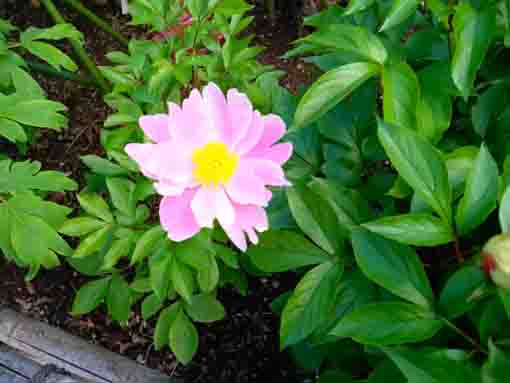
217	112
140	153
279	153
274	129
270	173
249	219
210	203
241	114
252	136
193	126
163	161
177	218
155	127
246	188
166	188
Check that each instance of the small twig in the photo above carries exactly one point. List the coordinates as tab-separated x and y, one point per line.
469	339
78	48
76	4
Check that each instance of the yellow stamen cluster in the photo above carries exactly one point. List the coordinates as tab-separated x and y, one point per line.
214	164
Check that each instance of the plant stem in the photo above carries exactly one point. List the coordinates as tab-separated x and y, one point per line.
458	253
270	6
48	70
470	340
78	48
76	4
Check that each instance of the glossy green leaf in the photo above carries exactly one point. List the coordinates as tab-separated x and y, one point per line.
12	131
77	227
118	299
474	30
120	248
90	296
394	266
349	39
330	89
95	205
481	193
182	279
429	367
504	212
413	229
147	244
489	106
163	325
388	323
401	94
102	166
358	6
150	306
280	250
399	12
310	303
463	290
122	194
183	338
313	215
205	308
93	242
160	267
420	165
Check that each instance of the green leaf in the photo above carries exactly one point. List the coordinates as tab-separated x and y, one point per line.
122	194
25	85
38	113
481	194
330	89
413	229
118	299
17	177
420	165
434	109
358	6
53	56
147	244
504	211
399	12
208	275
90	296
77	227
310	303
183	338
13	131
183	280
165	321
463	290
474	30
429	367
388	323
335	376
102	166
57	32
393	266
151	305
313	215
205	308
93	242
120	248
349	39
401	93
198	8
495	369
160	266
280	250
95	205
487	109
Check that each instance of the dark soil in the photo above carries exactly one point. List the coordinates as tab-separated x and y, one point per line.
241	348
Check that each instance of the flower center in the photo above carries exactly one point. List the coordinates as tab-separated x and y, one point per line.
214	164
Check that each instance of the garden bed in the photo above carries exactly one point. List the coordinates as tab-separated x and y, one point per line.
241	348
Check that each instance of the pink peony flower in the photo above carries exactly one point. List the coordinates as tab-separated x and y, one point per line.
213	159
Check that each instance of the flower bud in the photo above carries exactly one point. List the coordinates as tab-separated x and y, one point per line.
496	261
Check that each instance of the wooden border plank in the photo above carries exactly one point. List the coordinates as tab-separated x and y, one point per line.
48	345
